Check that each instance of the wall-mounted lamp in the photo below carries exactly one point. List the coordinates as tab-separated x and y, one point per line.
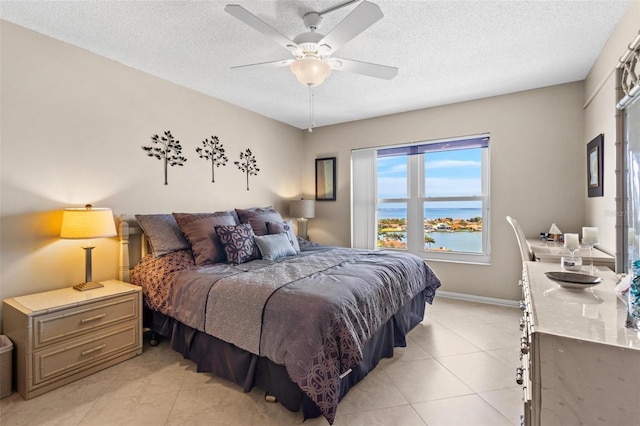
87	223
302	210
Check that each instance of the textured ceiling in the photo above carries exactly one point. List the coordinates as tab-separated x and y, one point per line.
447	51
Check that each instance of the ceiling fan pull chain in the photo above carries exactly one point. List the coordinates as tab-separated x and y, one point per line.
311	123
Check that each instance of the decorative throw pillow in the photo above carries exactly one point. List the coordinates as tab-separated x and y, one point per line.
238	242
287	228
258	217
163	233
199	228
274	246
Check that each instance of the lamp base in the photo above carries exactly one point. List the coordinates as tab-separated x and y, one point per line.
302	228
87	286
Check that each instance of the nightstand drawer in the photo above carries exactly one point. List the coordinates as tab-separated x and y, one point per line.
56	326
72	356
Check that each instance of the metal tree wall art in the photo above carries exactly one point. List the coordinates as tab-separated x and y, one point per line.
247	164
213	151
168	149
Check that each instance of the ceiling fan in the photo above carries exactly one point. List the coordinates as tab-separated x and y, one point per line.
312	52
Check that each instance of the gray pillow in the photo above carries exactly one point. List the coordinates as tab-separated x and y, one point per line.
258	217
163	233
199	228
287	228
274	246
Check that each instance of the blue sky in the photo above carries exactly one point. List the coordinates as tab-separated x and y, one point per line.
447	173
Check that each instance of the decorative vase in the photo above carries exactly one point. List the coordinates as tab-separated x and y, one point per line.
571	263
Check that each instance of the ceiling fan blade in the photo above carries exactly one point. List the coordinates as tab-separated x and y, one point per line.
360	18
266	65
365	68
259	25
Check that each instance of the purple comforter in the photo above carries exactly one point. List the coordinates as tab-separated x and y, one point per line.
311	313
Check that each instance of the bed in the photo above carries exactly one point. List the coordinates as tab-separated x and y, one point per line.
242	296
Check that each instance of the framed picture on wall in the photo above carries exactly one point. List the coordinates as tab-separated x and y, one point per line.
326	179
595	156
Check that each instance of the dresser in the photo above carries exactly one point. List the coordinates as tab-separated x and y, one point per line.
580	365
63	335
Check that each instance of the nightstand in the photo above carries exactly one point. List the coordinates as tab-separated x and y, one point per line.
63	335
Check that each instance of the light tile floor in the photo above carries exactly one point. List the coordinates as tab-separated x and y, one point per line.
458	369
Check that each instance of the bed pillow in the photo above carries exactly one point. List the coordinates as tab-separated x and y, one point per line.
287	228
274	246
238	243
162	233
258	217
199	229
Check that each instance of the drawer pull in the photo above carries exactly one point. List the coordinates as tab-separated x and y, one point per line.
522	324
97	317
519	376
522	305
97	348
524	345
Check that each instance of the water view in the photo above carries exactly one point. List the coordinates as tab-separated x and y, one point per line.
445	229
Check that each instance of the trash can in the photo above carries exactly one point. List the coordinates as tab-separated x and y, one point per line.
6	362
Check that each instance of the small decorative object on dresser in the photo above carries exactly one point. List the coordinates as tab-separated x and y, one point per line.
63	335
590	239
572	262
633	319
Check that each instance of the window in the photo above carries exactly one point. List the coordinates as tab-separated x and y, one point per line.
429	198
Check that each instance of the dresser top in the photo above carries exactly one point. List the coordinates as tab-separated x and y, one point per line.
595	314
63	298
547	250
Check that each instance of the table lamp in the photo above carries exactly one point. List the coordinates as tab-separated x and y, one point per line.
302	210
87	223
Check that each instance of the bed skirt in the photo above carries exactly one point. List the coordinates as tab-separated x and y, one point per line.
212	355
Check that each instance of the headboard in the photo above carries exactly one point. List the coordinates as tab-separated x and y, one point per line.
133	246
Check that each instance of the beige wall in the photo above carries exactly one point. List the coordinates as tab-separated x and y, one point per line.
600	117
73	124
537	172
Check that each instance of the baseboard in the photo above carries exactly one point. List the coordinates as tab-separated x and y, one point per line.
479	299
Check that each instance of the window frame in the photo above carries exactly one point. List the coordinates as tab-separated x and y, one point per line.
416	200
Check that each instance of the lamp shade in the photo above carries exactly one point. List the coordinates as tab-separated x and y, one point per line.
84	223
302	209
310	71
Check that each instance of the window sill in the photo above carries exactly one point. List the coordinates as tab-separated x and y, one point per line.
448	257
464	262
471	258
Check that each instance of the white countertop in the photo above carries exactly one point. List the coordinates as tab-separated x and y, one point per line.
62	298
551	251
595	314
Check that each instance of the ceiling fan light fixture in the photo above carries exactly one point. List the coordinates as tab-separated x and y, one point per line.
310	71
